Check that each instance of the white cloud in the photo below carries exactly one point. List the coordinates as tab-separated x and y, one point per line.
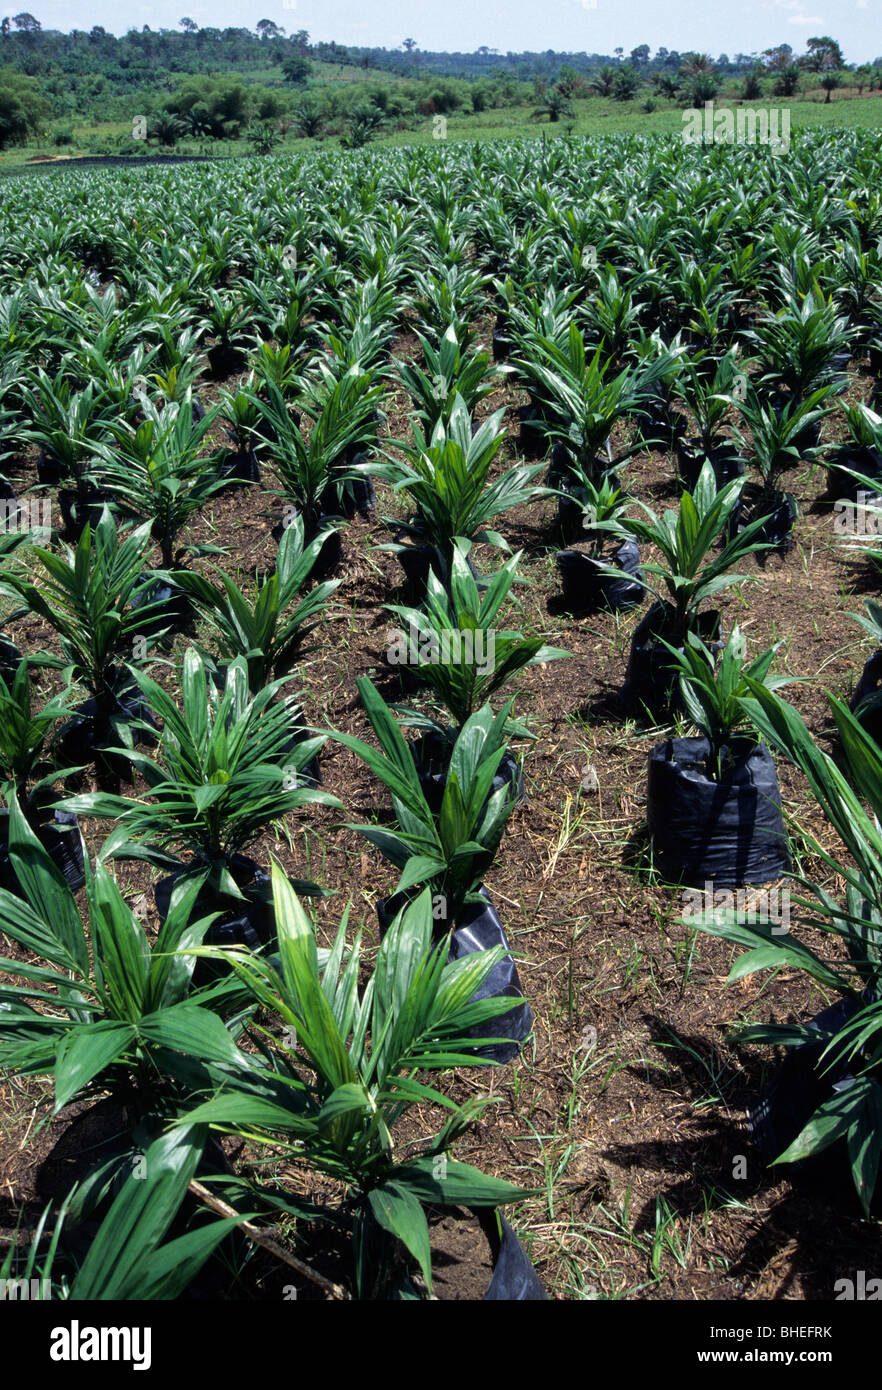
806	19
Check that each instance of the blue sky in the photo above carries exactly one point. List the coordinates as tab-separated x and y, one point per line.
572	25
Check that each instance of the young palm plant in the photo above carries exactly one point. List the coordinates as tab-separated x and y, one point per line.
713	804
226	769
86	596
776	445
690	572
451	371
446	479
840	1062
28	772
128	1258
714	690
455	647
582	404
269	630
709	399
796	348
312	474
859	458
162	474
101	1005
451	850
590	515
335	1094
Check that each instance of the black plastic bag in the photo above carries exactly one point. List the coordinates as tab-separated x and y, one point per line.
840	483
725	461
416	561
177	610
241	466
64	847
781	514
652	681
86	737
728	833
479	929
81	508
432	757
49	469
791	1097
514	1279
330	553
357	495
532	439
10	660
869	684
585	587
250	922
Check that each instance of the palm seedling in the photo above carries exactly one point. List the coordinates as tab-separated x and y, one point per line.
776	445
352	1068
163	474
662	423
74	432
583	404
592	514
859	458
445	477
866	702
129	1257
708	397
272	366
86	596
180	362
227	767
615	315
312	475
241	418
227	321
27	769
100	1005
835	1090
704	300
453	848
268	632
458	652
450	372
690	572
713	692
798	347
450	299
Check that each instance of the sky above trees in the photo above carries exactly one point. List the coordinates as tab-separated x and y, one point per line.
593	26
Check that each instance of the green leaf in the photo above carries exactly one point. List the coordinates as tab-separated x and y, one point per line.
865	1145
831	1121
398	1211
85	1052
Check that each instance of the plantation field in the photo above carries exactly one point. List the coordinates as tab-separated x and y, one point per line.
593	116
321	284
